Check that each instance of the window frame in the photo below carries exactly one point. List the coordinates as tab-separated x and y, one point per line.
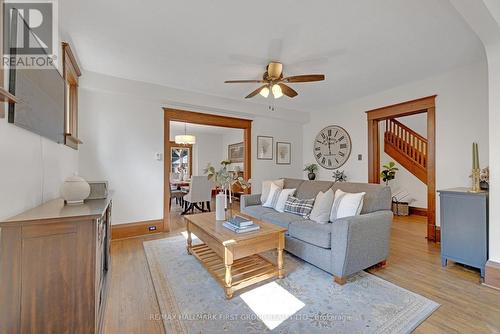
71	73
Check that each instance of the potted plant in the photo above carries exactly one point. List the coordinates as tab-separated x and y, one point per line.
389	172
311	169
224	179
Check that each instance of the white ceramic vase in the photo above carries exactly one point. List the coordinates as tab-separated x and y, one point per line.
220	210
74	190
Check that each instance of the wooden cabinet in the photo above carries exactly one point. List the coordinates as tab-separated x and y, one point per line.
464	227
54	263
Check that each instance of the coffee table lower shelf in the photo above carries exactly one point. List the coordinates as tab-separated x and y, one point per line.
242	273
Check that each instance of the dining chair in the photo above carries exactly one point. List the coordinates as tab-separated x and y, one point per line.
178	195
200	192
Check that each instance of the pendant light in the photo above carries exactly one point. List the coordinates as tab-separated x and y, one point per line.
185	139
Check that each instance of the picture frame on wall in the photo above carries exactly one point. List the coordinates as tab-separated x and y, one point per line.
235	152
265	147
283	153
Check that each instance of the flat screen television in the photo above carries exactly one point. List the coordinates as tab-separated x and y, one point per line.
41	95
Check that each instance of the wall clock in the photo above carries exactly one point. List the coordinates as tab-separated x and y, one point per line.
332	147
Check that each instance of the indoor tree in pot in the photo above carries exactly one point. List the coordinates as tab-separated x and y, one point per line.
311	169
389	172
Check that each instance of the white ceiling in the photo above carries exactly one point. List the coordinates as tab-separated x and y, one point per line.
178	128
363	46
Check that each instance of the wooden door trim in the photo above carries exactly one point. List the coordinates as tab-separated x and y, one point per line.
418	106
172	114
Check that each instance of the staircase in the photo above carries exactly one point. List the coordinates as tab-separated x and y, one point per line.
407	147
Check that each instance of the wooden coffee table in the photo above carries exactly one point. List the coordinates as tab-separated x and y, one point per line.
233	258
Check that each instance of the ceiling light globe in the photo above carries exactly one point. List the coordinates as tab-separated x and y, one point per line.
264	92
277	93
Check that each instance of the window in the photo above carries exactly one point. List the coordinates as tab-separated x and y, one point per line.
71	74
181	160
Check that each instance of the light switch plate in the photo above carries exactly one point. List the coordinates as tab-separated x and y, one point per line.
158	156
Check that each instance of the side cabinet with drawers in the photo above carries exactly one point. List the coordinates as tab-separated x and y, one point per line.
54	263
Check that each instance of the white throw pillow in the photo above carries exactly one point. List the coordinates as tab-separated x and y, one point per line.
272	197
266	188
322	207
280	203
346	204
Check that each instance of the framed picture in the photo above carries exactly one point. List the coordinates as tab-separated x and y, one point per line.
235	152
283	153
265	148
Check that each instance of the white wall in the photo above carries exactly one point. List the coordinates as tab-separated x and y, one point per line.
121	124
32	169
483	16
283	131
405	180
461	118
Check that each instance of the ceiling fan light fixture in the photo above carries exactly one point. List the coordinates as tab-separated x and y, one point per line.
264	91
277	92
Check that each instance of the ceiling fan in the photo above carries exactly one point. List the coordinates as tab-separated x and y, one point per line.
273	81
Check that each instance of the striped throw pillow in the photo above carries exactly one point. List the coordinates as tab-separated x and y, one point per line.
301	207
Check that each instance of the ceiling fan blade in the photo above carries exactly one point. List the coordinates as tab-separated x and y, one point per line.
305	78
244	81
288	91
255	92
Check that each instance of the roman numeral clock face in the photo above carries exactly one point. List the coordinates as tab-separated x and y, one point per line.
332	147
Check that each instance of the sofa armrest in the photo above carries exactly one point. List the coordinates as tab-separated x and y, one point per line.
249	200
360	242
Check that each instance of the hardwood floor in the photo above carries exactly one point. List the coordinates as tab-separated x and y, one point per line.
414	264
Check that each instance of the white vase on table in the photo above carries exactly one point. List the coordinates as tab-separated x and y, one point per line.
220	210
74	190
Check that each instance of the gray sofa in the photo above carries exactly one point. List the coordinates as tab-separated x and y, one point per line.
342	247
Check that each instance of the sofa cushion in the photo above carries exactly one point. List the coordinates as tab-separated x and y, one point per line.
280	219
377	197
292	183
312	232
310	189
257	211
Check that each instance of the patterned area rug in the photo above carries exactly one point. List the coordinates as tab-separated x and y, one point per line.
305	301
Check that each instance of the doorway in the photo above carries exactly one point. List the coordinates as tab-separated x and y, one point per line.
190	117
424	105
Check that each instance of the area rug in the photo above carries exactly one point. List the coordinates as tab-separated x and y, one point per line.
305	301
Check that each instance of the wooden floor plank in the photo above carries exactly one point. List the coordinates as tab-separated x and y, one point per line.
413	264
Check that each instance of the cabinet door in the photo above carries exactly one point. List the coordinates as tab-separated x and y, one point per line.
49	278
463	228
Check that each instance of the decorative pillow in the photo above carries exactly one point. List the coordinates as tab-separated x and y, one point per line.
322	207
266	188
301	207
272	198
346	204
280	203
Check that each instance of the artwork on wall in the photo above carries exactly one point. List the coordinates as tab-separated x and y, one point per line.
235	152
283	153
265	148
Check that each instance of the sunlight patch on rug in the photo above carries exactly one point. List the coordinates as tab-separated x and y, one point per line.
272	304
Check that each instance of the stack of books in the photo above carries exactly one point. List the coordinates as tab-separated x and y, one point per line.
240	224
